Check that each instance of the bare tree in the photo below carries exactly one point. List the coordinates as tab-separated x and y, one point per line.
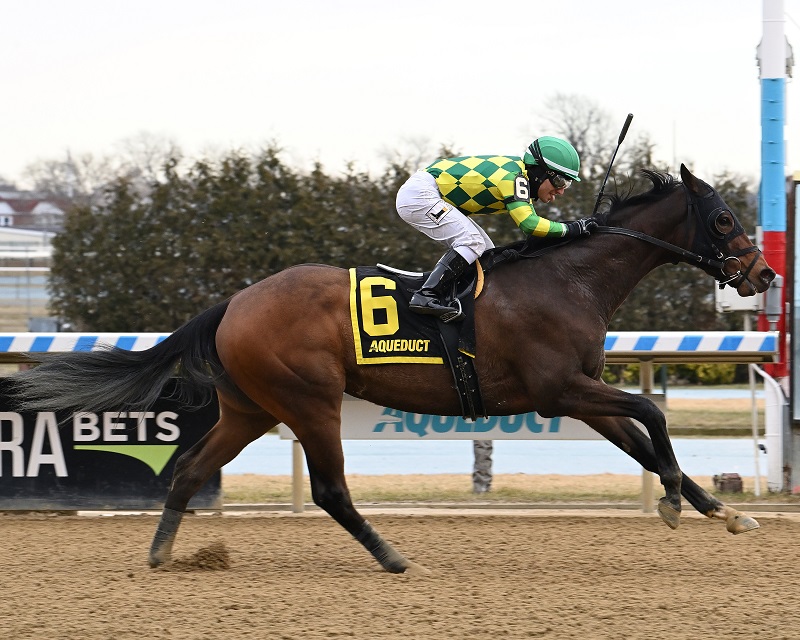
144	155
411	153
586	125
81	178
73	178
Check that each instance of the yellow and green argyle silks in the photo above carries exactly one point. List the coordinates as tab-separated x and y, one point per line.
492	184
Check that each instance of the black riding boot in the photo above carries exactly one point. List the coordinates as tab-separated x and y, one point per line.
431	299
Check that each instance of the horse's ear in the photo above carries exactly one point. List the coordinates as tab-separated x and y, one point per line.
694	184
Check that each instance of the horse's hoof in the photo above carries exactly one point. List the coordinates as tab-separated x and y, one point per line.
740	523
414	569
155	562
669	514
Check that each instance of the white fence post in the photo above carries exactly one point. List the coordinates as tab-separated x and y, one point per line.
298	501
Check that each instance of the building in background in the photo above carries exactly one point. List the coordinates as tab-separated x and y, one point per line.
29	210
28	224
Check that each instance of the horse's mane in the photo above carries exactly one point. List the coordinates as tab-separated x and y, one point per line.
663	184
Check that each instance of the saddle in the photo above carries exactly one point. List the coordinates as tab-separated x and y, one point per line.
386	331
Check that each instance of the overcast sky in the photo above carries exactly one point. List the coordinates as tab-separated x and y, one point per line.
338	81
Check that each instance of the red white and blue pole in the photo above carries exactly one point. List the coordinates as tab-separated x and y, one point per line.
772	58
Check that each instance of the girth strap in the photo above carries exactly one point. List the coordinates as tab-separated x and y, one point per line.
464	373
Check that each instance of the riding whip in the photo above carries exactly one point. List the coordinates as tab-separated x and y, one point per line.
610	164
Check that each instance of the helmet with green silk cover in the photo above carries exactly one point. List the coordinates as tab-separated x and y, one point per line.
558	155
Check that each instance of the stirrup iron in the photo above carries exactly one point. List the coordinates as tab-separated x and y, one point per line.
455	314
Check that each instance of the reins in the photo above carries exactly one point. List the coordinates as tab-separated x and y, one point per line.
689	255
721	259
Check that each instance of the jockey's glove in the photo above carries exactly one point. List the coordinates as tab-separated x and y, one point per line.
582	227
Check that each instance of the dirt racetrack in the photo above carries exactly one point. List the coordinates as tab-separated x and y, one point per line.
605	574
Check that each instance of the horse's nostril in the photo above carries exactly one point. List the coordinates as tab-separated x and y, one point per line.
768	275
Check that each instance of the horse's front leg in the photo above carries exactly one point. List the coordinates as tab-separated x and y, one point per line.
627	436
589	398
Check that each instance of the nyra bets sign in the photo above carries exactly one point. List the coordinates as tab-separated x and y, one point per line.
98	460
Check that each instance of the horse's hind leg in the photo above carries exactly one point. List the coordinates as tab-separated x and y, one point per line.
623	433
235	429
323	450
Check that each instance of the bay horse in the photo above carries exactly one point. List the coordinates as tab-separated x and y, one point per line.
282	350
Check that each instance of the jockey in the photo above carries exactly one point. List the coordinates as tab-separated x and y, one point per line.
439	200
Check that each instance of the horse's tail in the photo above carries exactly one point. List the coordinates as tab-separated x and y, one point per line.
113	379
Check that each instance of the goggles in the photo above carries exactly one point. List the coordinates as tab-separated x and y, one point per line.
557	180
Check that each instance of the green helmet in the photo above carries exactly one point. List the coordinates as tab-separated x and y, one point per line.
559	156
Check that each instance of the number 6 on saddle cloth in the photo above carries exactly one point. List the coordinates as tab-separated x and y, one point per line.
385	331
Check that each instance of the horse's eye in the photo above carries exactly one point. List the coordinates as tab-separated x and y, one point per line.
724	222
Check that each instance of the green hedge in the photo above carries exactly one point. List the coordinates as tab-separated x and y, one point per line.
703	373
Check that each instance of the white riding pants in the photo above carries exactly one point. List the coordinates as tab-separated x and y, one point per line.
420	204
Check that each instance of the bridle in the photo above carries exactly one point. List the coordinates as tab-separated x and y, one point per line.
711	239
